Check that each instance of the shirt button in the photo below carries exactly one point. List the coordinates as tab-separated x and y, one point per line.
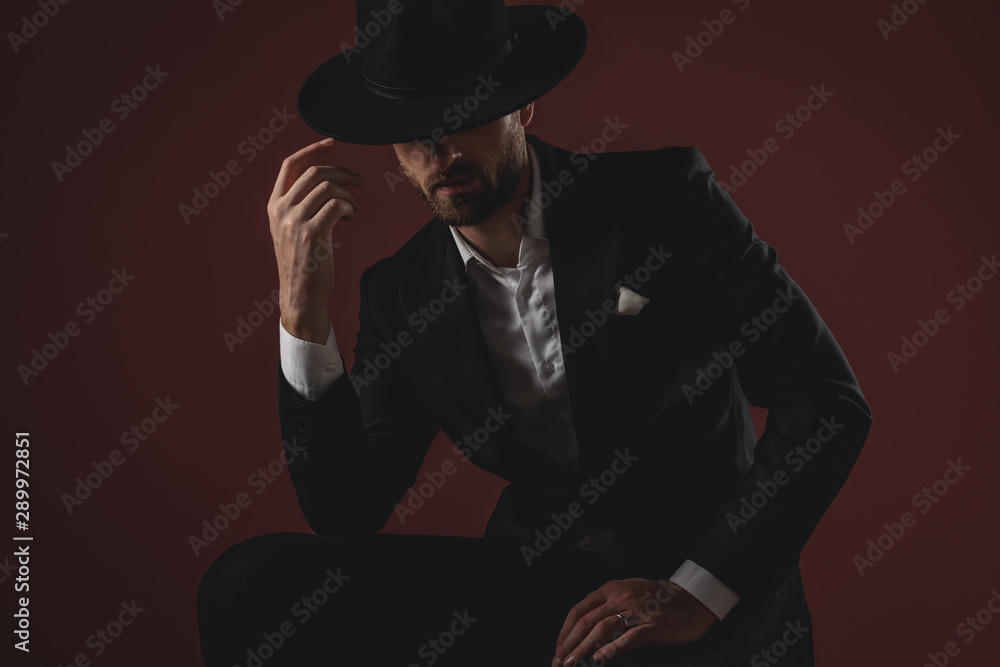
526	293
330	369
548	367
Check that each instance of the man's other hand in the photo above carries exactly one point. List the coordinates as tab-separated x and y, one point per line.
657	612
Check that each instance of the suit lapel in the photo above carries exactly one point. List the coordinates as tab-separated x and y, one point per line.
584	244
454	340
456	348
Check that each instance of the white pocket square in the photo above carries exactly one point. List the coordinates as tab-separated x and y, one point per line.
630	303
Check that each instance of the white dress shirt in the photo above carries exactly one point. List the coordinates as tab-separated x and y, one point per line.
517	312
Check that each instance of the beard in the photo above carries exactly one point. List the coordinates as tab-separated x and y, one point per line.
499	180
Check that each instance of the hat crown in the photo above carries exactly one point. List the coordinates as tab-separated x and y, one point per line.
425	46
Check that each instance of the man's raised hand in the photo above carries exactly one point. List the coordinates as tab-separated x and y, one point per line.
307	201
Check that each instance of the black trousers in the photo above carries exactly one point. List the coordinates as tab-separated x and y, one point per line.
417	601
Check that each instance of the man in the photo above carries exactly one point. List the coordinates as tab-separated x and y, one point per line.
591	328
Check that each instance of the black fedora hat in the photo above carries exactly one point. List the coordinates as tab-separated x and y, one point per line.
424	69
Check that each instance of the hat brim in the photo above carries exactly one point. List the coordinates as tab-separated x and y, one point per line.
335	101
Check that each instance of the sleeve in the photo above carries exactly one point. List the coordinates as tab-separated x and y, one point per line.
702	584
352	452
309	368
817	418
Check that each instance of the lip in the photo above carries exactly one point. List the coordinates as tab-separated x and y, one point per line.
457	186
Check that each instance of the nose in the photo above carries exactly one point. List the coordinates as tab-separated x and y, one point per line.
426	156
445	153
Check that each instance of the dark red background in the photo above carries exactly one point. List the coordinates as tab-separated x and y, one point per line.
163	335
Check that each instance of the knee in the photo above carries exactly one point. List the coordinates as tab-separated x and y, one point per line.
228	581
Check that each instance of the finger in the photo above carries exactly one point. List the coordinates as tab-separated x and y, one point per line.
621	645
296	163
323	192
580	631
328	215
316	174
589	603
602	626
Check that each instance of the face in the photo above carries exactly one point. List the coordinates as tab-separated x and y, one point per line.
472	174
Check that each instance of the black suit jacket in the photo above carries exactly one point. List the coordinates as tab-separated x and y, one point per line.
657	386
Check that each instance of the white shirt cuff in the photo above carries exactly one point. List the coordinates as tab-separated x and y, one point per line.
308	367
699	582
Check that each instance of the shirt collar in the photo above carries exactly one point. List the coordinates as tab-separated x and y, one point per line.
535	226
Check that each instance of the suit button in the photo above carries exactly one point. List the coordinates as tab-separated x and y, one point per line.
526	293
548	367
588	545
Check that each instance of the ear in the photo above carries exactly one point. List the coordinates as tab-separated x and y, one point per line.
526	113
